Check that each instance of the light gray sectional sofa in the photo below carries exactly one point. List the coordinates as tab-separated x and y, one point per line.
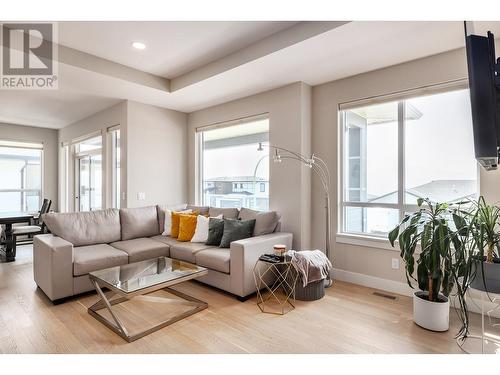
83	242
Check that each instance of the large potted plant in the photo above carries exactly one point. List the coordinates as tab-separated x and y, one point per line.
485	265
438	265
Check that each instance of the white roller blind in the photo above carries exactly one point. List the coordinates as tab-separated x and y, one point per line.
406	94
21	144
238	121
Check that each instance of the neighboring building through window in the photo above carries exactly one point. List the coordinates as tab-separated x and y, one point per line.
235	170
21	176
396	152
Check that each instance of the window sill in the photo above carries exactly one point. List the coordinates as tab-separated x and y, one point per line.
366	241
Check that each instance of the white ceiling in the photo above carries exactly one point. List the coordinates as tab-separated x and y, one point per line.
173	48
350	49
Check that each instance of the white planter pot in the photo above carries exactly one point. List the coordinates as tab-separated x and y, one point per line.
434	316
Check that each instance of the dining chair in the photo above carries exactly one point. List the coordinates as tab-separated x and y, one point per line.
31	230
44	209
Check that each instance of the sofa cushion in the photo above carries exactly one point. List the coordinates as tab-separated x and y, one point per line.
202	210
227	213
235	230
142	248
96	257
215	259
166	240
139	222
161	212
186	250
85	228
265	221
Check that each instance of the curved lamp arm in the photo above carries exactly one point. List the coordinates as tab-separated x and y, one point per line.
320	167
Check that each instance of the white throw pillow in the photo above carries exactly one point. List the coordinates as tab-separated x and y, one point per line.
201	231
168	220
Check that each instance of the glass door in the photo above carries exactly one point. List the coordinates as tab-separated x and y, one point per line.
84	183
95	182
90	182
89	173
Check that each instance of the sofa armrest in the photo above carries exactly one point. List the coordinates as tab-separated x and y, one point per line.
53	265
244	255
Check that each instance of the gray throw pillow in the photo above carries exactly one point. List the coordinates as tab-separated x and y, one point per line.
235	230
215	231
265	222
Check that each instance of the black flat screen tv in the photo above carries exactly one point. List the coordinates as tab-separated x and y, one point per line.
484	85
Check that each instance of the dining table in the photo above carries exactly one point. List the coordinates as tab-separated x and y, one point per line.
7	219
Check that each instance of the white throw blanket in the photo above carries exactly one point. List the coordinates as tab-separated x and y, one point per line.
312	265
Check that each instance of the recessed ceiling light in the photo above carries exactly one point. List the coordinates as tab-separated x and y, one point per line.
138	45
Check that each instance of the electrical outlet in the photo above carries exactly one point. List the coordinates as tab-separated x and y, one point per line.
141	196
395	263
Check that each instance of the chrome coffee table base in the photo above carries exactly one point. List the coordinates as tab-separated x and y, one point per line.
117	326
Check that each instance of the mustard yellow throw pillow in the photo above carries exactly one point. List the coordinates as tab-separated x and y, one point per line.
187	227
174	228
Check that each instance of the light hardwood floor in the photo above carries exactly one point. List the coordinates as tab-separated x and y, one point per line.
350	319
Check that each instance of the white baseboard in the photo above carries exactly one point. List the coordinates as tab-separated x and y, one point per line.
397	287
372	282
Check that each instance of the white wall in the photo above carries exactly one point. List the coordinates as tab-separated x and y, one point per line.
289	127
445	67
156	154
153	151
50	153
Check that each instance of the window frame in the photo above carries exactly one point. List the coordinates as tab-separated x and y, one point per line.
366	239
37	145
199	149
113	180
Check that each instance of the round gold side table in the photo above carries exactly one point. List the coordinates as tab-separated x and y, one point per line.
275	283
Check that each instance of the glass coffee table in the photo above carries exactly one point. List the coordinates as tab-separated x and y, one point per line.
141	295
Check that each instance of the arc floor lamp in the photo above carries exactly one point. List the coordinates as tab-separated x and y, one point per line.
320	168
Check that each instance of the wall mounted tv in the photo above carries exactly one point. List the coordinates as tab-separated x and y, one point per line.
484	84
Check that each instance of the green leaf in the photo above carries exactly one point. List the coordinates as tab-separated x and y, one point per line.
422	277
420	201
393	234
460	222
426	236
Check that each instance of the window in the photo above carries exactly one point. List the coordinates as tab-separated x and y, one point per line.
396	152
262	187
234	163
21	171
